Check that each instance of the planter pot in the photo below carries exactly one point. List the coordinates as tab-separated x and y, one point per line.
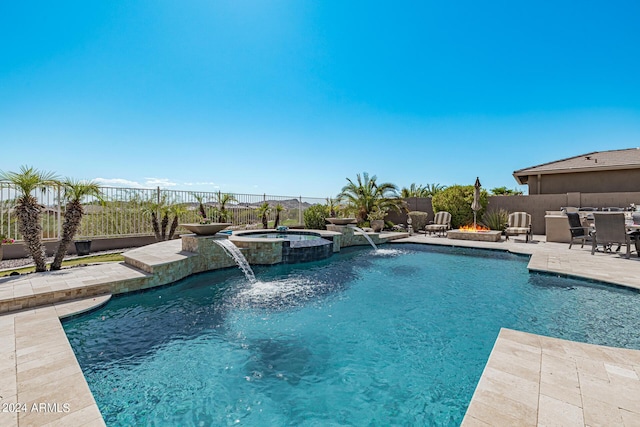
377	225
83	247
206	229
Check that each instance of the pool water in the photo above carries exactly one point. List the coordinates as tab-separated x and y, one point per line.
394	337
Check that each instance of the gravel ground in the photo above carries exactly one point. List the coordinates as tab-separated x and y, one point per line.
21	262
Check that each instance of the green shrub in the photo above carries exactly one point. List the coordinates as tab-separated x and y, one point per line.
314	217
495	219
418	219
457	201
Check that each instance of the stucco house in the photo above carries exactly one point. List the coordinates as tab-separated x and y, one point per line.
611	171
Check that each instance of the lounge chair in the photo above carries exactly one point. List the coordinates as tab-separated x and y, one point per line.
519	223
441	223
578	232
611	229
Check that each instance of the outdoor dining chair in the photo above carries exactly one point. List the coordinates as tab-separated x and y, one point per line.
611	229
577	230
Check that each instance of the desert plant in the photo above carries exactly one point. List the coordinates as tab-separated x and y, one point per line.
314	217
74	192
377	213
495	219
28	210
457	201
418	219
263	212
365	194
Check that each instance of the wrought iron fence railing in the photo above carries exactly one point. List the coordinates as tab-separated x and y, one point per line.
124	212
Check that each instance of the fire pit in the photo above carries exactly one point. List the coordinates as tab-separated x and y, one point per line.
475	232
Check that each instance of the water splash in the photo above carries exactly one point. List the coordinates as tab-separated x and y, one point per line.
388	252
234	252
366	236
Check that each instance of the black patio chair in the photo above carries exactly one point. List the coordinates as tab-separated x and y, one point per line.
578	232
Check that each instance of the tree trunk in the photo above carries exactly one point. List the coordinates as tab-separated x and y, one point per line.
164	224
277	222
156	227
265	223
72	217
28	211
174	225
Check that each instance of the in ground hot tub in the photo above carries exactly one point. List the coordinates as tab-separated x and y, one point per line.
297	246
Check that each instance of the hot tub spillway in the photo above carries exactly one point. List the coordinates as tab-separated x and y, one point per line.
234	252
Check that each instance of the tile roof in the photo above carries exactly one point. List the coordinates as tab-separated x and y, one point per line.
628	158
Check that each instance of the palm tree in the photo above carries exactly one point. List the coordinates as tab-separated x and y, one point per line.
74	192
263	211
279	208
366	194
433	189
414	191
200	199
332	204
176	210
165	209
28	210
223	199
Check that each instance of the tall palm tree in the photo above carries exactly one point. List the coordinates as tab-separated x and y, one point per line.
365	194
74	192
28	210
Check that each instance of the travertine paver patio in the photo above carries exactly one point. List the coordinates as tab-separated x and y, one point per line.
528	380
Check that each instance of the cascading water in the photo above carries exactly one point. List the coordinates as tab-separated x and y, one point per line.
366	236
234	252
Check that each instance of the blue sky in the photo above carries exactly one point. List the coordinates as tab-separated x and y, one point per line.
292	97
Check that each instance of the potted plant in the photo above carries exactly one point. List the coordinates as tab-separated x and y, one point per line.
376	218
4	240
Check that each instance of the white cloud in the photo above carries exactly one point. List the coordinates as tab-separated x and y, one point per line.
191	184
118	182
160	182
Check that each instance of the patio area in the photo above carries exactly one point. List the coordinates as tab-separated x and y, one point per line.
528	380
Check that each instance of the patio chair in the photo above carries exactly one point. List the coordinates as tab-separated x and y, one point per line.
578	232
441	223
519	223
611	229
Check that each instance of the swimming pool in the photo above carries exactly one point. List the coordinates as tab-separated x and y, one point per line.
398	336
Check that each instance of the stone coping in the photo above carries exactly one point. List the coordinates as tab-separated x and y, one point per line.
42	349
533	380
245	235
42	382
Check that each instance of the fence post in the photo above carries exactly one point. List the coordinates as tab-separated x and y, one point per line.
300	210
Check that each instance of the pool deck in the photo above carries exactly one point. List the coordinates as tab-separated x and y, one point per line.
528	380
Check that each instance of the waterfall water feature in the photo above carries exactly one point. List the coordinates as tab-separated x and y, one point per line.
234	252
366	236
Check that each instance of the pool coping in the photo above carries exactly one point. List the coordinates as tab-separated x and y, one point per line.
38	355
